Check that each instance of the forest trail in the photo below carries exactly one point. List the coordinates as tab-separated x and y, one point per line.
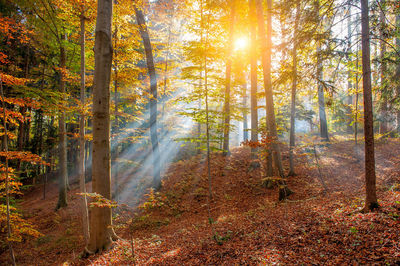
249	225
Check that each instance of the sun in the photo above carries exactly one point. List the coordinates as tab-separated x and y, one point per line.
241	43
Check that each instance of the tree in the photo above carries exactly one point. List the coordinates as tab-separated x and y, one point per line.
153	100
228	79
383	128
320	76
294	87
62	146
253	76
45	16
398	72
266	48
81	166
371	201
8	220
101	219
349	69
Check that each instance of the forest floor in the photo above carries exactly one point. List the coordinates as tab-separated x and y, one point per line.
249	225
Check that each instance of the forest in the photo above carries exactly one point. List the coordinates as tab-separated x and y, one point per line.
199	132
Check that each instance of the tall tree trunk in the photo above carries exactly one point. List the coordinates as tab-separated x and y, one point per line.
253	76
101	218
228	79
166	62
266	48
320	76
357	84
371	201
201	77
81	164
398	74
349	71
244	113
293	95
116	124
62	145
153	100
383	128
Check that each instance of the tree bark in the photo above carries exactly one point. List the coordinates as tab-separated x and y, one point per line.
228	79
349	71
253	77
81	164
383	128
200	78
266	54
116	124
371	201
398	74
293	94
357	84
101	218
62	145
153	100
320	76
245	112
266	46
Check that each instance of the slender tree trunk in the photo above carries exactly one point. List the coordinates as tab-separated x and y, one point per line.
266	45
371	201
166	62
266	48
101	218
383	129
62	146
201	77
199	107
153	100
244	113
320	76
398	74
356	105
253	76
293	96
5	146
357	85
21	135
210	195
116	124
81	164
266	53
349	70
40	137
228	79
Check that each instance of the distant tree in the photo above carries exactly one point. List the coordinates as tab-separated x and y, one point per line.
253	76
397	74
293	94
320	76
153	92
228	78
349	101
383	126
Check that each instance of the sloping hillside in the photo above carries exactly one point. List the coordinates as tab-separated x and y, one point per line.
248	225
